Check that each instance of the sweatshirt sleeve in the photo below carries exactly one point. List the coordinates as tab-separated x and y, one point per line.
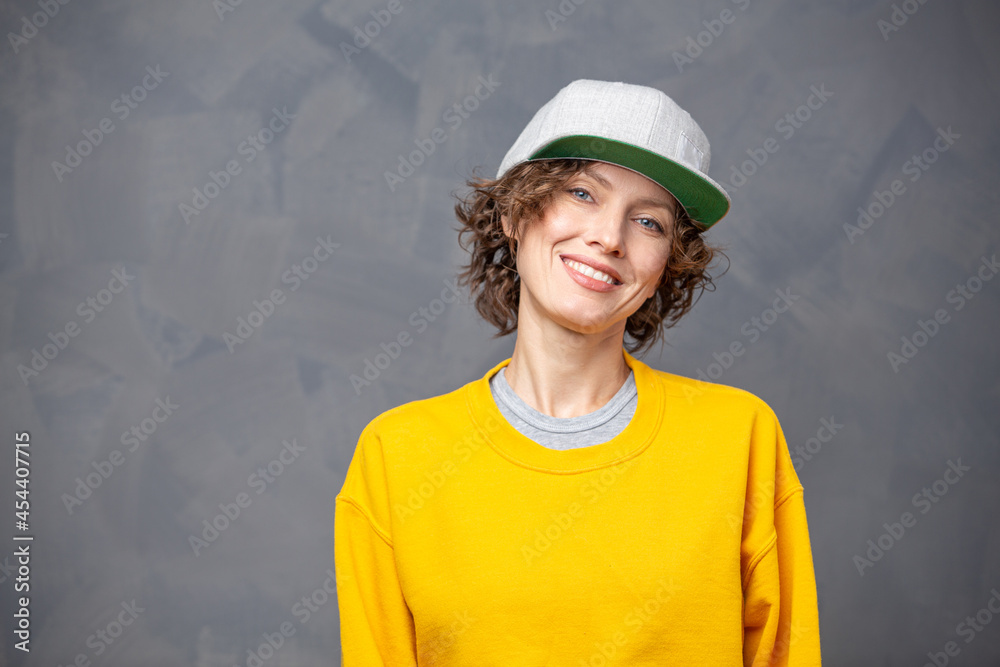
376	626
781	619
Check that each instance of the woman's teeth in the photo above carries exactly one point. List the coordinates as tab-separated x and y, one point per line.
590	271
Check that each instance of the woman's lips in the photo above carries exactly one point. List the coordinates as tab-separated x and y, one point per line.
593	264
584	280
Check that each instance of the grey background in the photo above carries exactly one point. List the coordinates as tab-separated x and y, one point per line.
162	336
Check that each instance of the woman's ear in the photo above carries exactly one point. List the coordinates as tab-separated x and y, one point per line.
505	225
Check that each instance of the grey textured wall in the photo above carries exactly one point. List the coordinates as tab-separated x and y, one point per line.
123	293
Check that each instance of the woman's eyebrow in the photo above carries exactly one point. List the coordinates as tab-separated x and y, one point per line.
660	203
597	177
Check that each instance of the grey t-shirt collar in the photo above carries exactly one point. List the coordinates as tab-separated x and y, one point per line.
502	392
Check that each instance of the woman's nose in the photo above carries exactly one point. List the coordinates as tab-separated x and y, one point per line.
607	232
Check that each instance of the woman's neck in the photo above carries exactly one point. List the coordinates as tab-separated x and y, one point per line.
563	373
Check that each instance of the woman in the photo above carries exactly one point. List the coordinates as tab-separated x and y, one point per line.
575	506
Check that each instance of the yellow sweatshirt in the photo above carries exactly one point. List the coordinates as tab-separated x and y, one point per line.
681	541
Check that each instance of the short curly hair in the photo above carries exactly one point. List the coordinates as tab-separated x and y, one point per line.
522	195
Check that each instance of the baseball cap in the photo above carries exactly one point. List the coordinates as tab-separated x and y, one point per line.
632	126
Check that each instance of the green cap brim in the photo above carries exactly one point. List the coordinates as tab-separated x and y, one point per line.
701	198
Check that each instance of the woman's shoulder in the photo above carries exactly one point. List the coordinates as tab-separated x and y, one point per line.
707	394
421	412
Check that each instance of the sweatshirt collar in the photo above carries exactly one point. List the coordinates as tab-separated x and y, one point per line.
520	450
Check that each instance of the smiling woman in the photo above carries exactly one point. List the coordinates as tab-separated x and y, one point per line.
575	506
498	212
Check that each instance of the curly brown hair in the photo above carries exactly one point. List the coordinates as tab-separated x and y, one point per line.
521	196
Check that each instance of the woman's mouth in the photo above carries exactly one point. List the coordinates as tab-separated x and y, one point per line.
589	277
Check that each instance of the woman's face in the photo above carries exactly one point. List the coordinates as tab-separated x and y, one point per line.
611	220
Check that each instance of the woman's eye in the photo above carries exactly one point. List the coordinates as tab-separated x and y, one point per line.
654	225
574	191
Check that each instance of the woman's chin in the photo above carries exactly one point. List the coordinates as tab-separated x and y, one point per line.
585	323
